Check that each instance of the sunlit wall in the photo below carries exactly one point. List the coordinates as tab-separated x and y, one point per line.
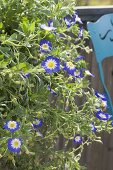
94	2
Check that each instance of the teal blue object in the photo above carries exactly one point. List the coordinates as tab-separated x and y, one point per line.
101	33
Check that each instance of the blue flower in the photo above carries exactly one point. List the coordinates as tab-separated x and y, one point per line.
80	34
39	134
93	128
12	126
73	19
76	18
79	58
49	27
51	90
101	96
78	74
45	46
14	144
68	21
88	73
112	123
102	116
69	67
51	64
37	123
103	100
50	23
78	139
104	104
26	75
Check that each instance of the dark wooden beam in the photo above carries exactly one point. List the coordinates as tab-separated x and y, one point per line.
92	13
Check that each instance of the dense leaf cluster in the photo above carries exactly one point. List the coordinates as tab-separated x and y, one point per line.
24	93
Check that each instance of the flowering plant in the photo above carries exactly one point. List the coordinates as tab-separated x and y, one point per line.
43	75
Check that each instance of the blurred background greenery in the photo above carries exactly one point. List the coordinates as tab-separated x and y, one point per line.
94	2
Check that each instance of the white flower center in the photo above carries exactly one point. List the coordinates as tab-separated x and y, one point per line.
70	65
78	19
77	138
92	127
16	143
43	26
104	104
37	122
77	73
67	22
102	115
12	124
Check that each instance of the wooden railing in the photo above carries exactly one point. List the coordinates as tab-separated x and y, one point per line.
92	13
98	156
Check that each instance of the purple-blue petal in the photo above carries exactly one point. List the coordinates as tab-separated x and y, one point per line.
26	75
78	141
68	21
52	91
48	70
50	23
102	96
12	130
80	34
15	150
76	18
112	123
93	128
78	74
102	116
40	123
42	42
69	70
79	58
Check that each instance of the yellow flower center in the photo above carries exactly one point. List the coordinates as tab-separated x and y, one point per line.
104	104
11	125
16	143
45	47
51	64
70	65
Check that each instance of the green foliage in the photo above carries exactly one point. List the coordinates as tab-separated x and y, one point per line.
24	98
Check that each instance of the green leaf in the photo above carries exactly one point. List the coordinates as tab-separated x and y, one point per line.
32	27
25	26
1	25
